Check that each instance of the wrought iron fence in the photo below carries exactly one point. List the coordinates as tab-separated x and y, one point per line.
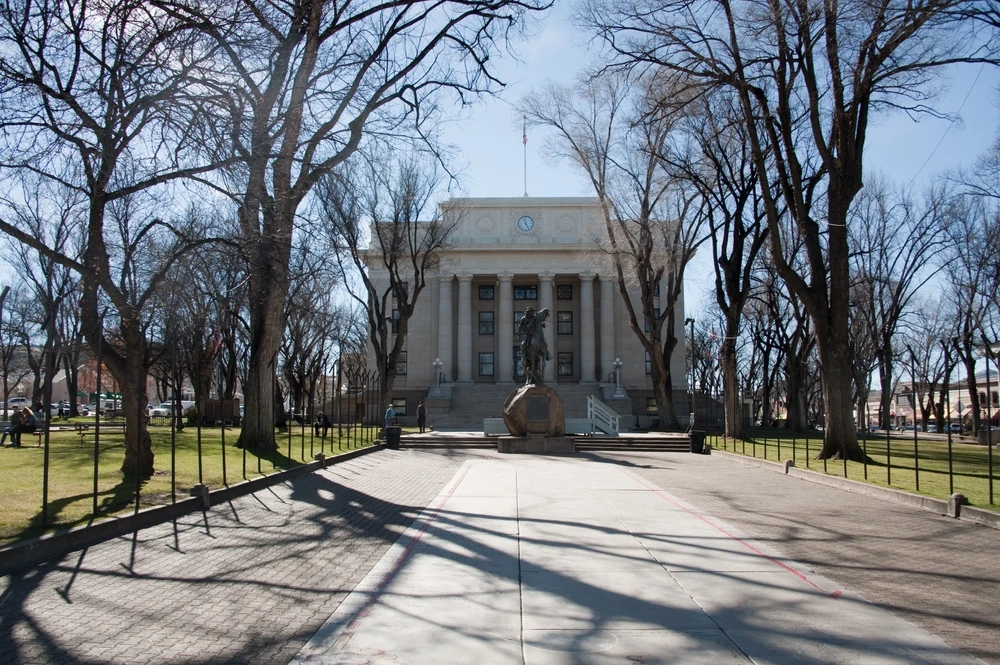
73	473
935	465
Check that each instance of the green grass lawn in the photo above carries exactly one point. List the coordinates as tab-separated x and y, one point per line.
71	472
970	464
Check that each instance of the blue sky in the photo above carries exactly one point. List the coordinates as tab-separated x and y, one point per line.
488	135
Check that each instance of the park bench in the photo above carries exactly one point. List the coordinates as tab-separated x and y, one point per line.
83	428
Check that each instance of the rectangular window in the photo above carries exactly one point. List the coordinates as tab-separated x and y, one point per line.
564	292
517	321
564	323
526	292
651	407
486	293
401	364
649	364
395	321
645	323
486	364
486	323
518	363
399	406
565	363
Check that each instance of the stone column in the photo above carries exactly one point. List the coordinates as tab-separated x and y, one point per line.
607	327
545	300
465	328
587	351
505	331
445	350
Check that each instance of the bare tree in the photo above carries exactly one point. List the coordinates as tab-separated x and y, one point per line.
808	80
301	83
893	240
13	363
310	321
387	235
972	226
722	169
96	101
618	130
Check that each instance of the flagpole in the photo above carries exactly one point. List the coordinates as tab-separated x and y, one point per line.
524	143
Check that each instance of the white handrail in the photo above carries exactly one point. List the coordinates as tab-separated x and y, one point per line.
599	412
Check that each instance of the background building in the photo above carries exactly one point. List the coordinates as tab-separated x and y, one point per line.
504	255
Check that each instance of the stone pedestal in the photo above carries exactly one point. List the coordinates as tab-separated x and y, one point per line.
534	410
535	443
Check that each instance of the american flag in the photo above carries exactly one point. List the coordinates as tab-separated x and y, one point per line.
524	133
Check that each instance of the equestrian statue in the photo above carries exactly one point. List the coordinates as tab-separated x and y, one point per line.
534	349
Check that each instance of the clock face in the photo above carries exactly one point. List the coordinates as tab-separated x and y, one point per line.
526	223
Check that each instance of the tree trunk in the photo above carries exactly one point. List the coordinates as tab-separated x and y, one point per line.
885	401
840	437
663	393
730	388
138	446
969	361
798	409
267	295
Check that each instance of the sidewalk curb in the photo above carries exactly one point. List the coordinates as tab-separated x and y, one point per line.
32	552
971	514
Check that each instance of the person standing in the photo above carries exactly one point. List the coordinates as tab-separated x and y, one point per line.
15	420
421	416
322	425
389	415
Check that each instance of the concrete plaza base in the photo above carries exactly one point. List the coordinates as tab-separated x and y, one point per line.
526	560
536	444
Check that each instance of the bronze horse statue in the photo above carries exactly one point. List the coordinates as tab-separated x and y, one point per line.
534	349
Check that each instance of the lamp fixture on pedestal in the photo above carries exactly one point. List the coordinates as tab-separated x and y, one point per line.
437	371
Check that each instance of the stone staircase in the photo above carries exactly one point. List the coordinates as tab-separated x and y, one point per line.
664	443
471	403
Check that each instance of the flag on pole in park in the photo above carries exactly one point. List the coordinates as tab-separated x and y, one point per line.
524	132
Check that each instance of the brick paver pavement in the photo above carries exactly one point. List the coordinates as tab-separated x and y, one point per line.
936	572
248	583
252	582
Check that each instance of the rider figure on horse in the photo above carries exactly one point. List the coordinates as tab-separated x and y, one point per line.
534	349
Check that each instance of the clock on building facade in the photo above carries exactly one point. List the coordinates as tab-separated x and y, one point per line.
526	223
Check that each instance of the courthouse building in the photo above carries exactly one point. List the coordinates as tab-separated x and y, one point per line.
462	351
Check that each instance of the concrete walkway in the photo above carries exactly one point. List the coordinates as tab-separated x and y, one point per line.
561	560
626	557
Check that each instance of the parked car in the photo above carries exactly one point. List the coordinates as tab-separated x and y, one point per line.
162	409
931	429
17	401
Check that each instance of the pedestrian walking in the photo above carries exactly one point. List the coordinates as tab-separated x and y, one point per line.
421	416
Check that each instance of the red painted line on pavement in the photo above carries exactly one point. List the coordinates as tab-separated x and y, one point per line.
353	625
835	594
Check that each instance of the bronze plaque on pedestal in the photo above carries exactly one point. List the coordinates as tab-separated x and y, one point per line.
537	410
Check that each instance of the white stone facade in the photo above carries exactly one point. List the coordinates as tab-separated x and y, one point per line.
505	255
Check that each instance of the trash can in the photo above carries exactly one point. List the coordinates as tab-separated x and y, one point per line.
392	434
697	442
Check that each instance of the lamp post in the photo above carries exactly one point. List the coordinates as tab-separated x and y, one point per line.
617	365
437	372
690	322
